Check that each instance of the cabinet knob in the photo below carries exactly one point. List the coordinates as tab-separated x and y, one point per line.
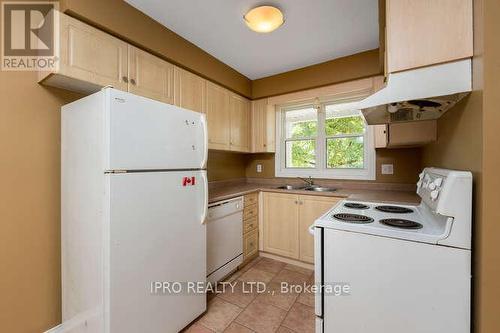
125	79
132	81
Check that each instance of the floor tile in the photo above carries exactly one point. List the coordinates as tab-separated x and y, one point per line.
275	297
301	318
291	277
261	317
269	265
197	328
298	269
237	328
252	263
306	298
283	329
239	294
256	275
219	315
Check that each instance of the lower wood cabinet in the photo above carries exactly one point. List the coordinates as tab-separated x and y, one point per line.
250	226
287	218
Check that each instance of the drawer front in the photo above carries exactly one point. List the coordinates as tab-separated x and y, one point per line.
250	224
251	243
250	212
251	199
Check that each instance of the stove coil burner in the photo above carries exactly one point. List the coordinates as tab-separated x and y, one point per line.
356	205
401	223
353	218
394	209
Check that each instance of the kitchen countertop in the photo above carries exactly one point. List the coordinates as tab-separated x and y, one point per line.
235	190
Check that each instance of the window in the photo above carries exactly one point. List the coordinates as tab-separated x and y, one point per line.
324	141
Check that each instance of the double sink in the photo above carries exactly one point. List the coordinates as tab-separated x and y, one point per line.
313	188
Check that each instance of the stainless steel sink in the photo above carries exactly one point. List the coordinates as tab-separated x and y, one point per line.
320	189
314	188
291	187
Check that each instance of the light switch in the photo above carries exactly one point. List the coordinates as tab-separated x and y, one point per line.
387	169
259	168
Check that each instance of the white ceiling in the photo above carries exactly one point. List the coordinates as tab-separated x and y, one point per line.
314	31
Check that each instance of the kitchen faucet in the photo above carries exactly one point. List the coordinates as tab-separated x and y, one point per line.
308	181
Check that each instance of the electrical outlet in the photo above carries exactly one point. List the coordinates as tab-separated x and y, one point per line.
259	168
387	169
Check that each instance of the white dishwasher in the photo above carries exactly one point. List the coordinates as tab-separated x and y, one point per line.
224	238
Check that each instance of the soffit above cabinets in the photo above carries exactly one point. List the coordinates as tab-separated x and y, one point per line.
314	31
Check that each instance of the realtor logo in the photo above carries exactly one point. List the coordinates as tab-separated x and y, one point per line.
29	39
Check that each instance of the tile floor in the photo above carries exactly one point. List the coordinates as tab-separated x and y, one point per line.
238	311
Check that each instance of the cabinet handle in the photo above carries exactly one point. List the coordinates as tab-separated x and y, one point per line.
296	202
132	81
125	79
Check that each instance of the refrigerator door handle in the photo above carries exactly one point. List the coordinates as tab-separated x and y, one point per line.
205	140
205	198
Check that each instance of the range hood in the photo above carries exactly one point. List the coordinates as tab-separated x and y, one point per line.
420	94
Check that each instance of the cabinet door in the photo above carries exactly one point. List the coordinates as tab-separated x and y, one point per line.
240	123
218	117
92	56
310	208
150	76
281	224
263	126
425	32
190	90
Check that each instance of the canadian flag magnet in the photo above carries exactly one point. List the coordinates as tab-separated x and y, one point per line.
188	181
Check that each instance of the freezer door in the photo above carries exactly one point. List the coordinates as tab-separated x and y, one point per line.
156	234
144	134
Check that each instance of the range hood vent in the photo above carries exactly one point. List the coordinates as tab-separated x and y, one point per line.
420	94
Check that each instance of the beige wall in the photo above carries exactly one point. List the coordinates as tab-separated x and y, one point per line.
469	139
225	165
407	165
353	67
488	229
30	280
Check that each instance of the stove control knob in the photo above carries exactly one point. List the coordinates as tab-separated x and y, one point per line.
438	181
434	195
432	186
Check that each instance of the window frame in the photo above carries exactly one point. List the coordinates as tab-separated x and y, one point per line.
321	170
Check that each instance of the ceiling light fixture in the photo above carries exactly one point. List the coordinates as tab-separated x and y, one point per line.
264	19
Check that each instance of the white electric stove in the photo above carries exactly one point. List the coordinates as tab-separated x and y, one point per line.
407	267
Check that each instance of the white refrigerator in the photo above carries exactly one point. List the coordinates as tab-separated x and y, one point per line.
134	201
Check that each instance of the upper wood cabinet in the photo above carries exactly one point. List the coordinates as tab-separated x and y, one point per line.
150	76
190	90
239	109
218	117
426	32
90	57
263	126
410	134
